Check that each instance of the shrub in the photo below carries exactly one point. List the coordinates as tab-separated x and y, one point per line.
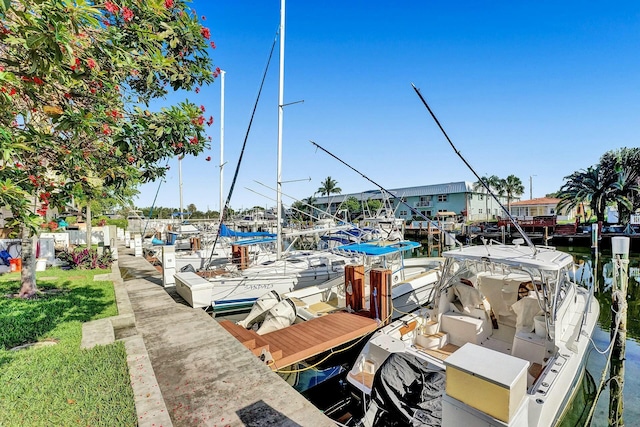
86	259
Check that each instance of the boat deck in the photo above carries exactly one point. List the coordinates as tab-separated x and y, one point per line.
301	341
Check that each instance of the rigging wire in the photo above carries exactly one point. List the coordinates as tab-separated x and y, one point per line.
399	199
484	184
244	144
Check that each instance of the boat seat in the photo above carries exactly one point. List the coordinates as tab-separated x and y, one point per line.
463	329
320	308
298	302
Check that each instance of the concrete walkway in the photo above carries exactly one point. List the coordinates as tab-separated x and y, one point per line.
186	370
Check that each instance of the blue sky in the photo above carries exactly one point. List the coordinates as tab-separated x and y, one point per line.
537	89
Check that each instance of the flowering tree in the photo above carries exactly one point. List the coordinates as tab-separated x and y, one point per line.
76	81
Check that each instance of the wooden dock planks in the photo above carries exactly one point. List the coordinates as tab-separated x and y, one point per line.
303	340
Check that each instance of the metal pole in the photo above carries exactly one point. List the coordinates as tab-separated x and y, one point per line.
620	252
222	73
180	187
280	120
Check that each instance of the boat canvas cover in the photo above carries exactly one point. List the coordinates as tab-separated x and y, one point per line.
407	393
378	250
227	232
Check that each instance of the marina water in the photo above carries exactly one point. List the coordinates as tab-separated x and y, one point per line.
596	362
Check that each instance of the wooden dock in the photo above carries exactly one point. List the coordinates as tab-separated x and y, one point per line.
301	341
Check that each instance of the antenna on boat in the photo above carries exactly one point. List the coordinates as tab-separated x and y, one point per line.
484	184
400	200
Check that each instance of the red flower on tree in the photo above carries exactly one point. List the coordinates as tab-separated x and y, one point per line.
208	159
210	121
111	7
193	140
213	45
202	108
168	4
106	129
91	63
205	32
127	14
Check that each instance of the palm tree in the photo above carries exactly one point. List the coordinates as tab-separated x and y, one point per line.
511	187
623	167
310	204
624	192
329	187
589	186
484	185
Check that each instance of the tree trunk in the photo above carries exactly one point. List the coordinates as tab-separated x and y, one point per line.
27	277
88	223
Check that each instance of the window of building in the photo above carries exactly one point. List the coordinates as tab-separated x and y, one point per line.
404	213
480	196
424	201
479	211
442	197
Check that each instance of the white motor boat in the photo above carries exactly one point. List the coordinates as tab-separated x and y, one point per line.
502	343
412	280
238	289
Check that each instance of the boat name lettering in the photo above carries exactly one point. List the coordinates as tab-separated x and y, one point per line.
259	286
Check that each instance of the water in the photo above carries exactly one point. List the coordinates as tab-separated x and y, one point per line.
596	362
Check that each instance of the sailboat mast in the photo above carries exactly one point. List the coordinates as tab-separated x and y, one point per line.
180	186
280	120
222	73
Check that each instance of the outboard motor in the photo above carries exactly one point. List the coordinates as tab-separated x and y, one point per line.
280	316
260	309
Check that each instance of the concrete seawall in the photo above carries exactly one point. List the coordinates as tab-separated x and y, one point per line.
186	370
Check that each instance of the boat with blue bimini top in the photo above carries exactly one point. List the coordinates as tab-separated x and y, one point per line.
503	342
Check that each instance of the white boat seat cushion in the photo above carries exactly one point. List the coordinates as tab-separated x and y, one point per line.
526	309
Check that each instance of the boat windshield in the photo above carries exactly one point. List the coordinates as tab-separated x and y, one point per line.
550	285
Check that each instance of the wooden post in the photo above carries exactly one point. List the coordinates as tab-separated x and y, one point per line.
240	256
380	294
354	287
620	252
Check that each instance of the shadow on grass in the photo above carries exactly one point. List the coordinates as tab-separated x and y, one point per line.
23	321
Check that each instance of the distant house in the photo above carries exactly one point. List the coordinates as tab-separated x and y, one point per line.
458	199
542	206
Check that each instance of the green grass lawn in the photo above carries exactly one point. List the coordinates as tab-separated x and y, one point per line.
61	385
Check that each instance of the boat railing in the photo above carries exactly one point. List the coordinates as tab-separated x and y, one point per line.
587	308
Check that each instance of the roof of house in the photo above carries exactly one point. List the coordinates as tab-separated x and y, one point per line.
537	202
421	190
